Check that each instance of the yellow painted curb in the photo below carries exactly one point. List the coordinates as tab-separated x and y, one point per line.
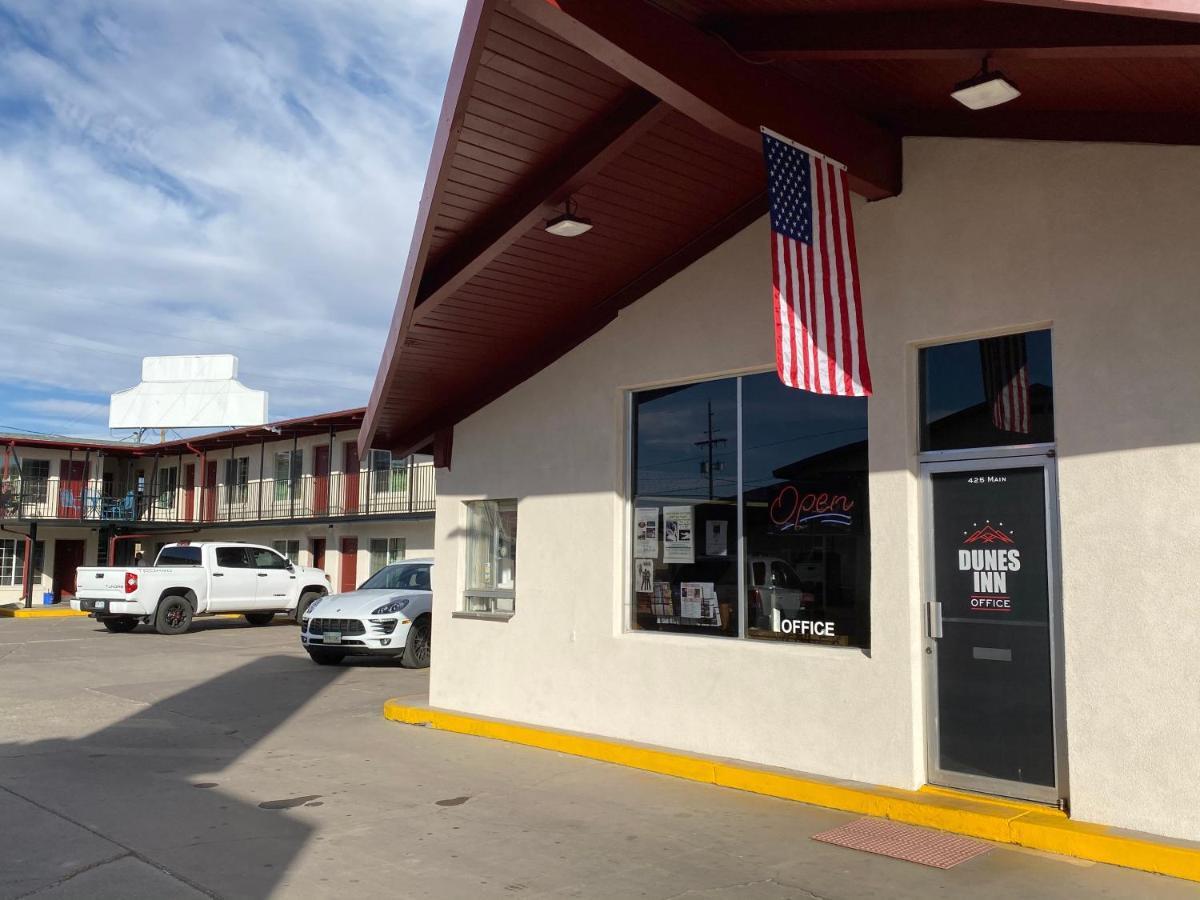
993	819
35	613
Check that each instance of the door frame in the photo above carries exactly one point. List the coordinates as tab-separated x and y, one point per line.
56	585
1041	456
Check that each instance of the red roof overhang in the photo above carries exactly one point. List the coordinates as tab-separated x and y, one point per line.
647	114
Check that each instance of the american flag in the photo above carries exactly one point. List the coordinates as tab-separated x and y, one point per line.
1006	381
819	341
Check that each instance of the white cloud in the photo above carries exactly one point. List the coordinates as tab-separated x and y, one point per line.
214	177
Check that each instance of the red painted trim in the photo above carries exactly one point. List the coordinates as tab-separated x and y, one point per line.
1180	10
998	31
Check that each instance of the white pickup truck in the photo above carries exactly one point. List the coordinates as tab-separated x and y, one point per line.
197	579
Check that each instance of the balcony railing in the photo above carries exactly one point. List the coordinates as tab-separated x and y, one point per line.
352	495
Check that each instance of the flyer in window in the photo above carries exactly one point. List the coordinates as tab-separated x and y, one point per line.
660	603
678	535
716	538
645	539
644	576
698	600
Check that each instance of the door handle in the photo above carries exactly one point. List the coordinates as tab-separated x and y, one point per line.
218	574
262	574
933	612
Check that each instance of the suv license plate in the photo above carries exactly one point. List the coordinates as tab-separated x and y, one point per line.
333	637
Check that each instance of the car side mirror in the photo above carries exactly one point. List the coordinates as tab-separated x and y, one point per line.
290	567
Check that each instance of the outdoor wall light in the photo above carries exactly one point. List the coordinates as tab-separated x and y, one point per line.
568	224
984	89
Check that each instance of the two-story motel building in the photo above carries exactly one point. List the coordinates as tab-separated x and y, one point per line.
299	485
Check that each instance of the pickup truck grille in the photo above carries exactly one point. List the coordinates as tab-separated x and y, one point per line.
345	626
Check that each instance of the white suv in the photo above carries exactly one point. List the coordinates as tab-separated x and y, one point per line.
387	616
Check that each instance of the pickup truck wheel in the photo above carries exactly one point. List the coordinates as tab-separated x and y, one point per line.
326	657
260	618
119	624
416	648
174	615
306	600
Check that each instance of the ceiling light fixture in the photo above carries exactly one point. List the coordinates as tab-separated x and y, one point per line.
985	89
568	224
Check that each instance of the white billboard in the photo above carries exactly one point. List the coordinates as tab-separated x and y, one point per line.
188	392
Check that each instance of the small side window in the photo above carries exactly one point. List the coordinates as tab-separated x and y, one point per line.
231	558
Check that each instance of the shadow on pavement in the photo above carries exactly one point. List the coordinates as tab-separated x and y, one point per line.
147	785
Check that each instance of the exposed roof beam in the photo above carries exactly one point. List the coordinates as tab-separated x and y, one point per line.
1002	31
1060	125
534	198
580	328
467	53
1180	10
697	74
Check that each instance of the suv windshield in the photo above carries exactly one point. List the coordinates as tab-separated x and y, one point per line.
398	578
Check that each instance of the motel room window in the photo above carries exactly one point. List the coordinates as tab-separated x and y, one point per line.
992	392
759	532
491	581
288	466
237	478
385	551
12	562
290	549
389	475
168	483
35	478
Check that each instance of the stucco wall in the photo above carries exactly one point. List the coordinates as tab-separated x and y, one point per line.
1095	240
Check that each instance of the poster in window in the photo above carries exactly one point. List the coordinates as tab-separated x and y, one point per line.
678	535
660	603
716	538
645	576
698	600
645	543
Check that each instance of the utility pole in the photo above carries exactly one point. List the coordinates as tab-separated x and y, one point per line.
710	467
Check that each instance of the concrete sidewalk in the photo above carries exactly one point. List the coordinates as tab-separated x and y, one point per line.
223	763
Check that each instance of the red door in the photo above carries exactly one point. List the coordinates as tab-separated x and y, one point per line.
349	564
321	481
318	553
68	556
209	494
350	479
71	477
189	492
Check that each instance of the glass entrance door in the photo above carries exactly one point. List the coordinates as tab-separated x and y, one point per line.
991	617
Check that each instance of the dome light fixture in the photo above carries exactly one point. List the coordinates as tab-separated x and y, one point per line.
568	224
985	89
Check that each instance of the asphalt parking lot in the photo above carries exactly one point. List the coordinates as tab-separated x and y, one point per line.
222	763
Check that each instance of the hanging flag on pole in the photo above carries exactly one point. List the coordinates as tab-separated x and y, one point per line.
1005	365
819	340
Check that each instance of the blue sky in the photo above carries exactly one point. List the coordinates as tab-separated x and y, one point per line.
232	176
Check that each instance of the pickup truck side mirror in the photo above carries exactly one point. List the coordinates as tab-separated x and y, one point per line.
290	567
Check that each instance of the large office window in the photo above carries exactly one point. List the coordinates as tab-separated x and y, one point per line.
992	392
776	508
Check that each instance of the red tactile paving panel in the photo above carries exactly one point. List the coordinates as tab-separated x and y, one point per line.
919	845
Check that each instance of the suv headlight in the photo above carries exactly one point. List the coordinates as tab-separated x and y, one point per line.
393	607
